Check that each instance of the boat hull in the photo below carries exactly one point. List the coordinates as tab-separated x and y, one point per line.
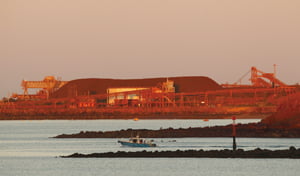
130	144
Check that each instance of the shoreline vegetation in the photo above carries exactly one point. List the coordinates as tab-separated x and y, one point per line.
291	153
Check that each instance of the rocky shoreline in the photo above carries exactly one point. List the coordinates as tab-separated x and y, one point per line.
292	153
243	130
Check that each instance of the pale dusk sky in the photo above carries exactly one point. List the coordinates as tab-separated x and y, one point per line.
75	39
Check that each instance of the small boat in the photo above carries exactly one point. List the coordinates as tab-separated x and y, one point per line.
137	142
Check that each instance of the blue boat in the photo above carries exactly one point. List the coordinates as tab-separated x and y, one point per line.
137	142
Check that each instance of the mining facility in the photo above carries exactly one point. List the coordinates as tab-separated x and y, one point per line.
173	97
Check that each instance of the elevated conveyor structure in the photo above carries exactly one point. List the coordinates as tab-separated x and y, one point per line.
258	79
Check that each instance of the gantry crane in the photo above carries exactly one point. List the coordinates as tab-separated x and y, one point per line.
49	85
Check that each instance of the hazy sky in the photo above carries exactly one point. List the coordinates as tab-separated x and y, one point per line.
75	39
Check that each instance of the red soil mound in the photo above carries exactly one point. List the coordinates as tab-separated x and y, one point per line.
100	86
287	115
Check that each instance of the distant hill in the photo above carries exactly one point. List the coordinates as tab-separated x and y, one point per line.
95	86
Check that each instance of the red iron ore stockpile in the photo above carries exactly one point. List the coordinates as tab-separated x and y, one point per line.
100	86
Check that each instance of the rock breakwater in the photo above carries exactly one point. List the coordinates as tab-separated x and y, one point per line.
292	152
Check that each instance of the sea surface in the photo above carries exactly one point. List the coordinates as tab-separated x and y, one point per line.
28	149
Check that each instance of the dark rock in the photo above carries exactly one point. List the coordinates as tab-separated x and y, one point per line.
256	153
243	130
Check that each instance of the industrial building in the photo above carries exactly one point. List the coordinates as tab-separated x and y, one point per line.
175	95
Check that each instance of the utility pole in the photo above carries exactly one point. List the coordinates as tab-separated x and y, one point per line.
273	81
275	70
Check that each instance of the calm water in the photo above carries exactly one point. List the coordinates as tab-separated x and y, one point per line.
26	149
